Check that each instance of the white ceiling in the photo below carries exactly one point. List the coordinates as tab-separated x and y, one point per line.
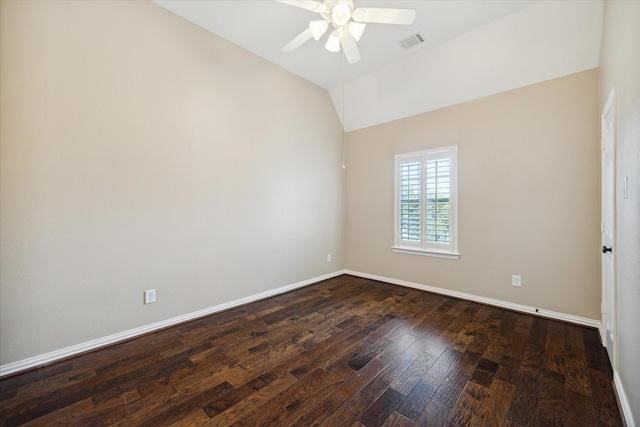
474	48
264	26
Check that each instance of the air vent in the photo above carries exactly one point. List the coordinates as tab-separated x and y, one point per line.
412	41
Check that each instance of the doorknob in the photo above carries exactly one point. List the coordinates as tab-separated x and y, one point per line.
606	249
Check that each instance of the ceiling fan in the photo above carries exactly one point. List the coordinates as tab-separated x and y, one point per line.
347	22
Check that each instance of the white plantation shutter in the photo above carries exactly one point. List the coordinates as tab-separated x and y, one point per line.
438	200
411	200
426	208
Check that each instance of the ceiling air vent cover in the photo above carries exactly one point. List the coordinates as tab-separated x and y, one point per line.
412	41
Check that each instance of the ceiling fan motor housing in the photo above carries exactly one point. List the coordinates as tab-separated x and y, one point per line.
338	12
341	14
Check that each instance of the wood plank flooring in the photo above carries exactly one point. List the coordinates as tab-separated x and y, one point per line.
343	352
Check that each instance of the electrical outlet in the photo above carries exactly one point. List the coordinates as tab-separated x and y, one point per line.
328	257
150	296
516	280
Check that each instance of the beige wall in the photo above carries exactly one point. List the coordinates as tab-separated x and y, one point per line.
528	196
139	151
620	69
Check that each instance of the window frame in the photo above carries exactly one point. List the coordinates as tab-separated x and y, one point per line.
422	246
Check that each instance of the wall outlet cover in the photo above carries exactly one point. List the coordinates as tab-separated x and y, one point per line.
150	296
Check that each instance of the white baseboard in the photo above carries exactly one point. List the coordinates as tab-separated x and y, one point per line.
48	358
489	301
625	406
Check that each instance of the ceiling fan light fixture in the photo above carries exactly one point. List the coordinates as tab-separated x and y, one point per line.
333	43
348	24
318	28
356	29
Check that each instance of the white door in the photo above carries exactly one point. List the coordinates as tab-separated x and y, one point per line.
608	228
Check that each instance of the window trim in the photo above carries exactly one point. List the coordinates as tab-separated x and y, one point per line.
422	247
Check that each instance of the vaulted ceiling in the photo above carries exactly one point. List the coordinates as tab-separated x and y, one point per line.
473	48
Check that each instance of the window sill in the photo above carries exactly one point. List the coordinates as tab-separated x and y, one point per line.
424	252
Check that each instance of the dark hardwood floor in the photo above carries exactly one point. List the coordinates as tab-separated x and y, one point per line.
343	352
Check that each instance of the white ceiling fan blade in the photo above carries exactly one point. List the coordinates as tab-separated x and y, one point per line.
350	48
311	5
385	16
298	41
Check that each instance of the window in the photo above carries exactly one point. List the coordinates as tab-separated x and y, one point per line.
426	203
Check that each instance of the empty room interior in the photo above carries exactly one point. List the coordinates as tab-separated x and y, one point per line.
431	221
